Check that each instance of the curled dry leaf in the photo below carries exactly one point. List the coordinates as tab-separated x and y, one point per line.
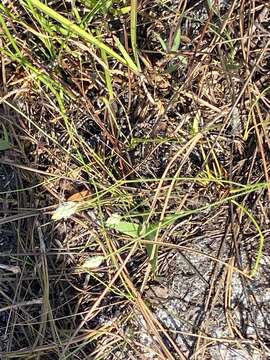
65	210
80	196
93	262
13	268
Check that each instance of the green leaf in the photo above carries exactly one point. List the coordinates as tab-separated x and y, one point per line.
176	41
135	230
115	222
162	42
4	141
196	123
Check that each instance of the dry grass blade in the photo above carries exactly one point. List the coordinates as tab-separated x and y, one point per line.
133	30
134	180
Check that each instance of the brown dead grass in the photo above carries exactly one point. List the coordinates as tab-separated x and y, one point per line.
200	112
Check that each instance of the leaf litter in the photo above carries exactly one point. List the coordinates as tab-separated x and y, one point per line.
103	162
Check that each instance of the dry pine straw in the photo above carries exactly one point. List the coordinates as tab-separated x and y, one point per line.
199	112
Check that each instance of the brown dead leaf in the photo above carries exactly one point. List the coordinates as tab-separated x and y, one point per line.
80	196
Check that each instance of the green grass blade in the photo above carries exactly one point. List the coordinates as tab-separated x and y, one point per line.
176	41
75	29
4	141
8	34
261	237
125	54
133	30
107	73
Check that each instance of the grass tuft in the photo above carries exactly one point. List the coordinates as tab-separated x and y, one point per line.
134	179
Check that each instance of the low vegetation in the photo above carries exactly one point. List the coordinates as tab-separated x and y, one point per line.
134	179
